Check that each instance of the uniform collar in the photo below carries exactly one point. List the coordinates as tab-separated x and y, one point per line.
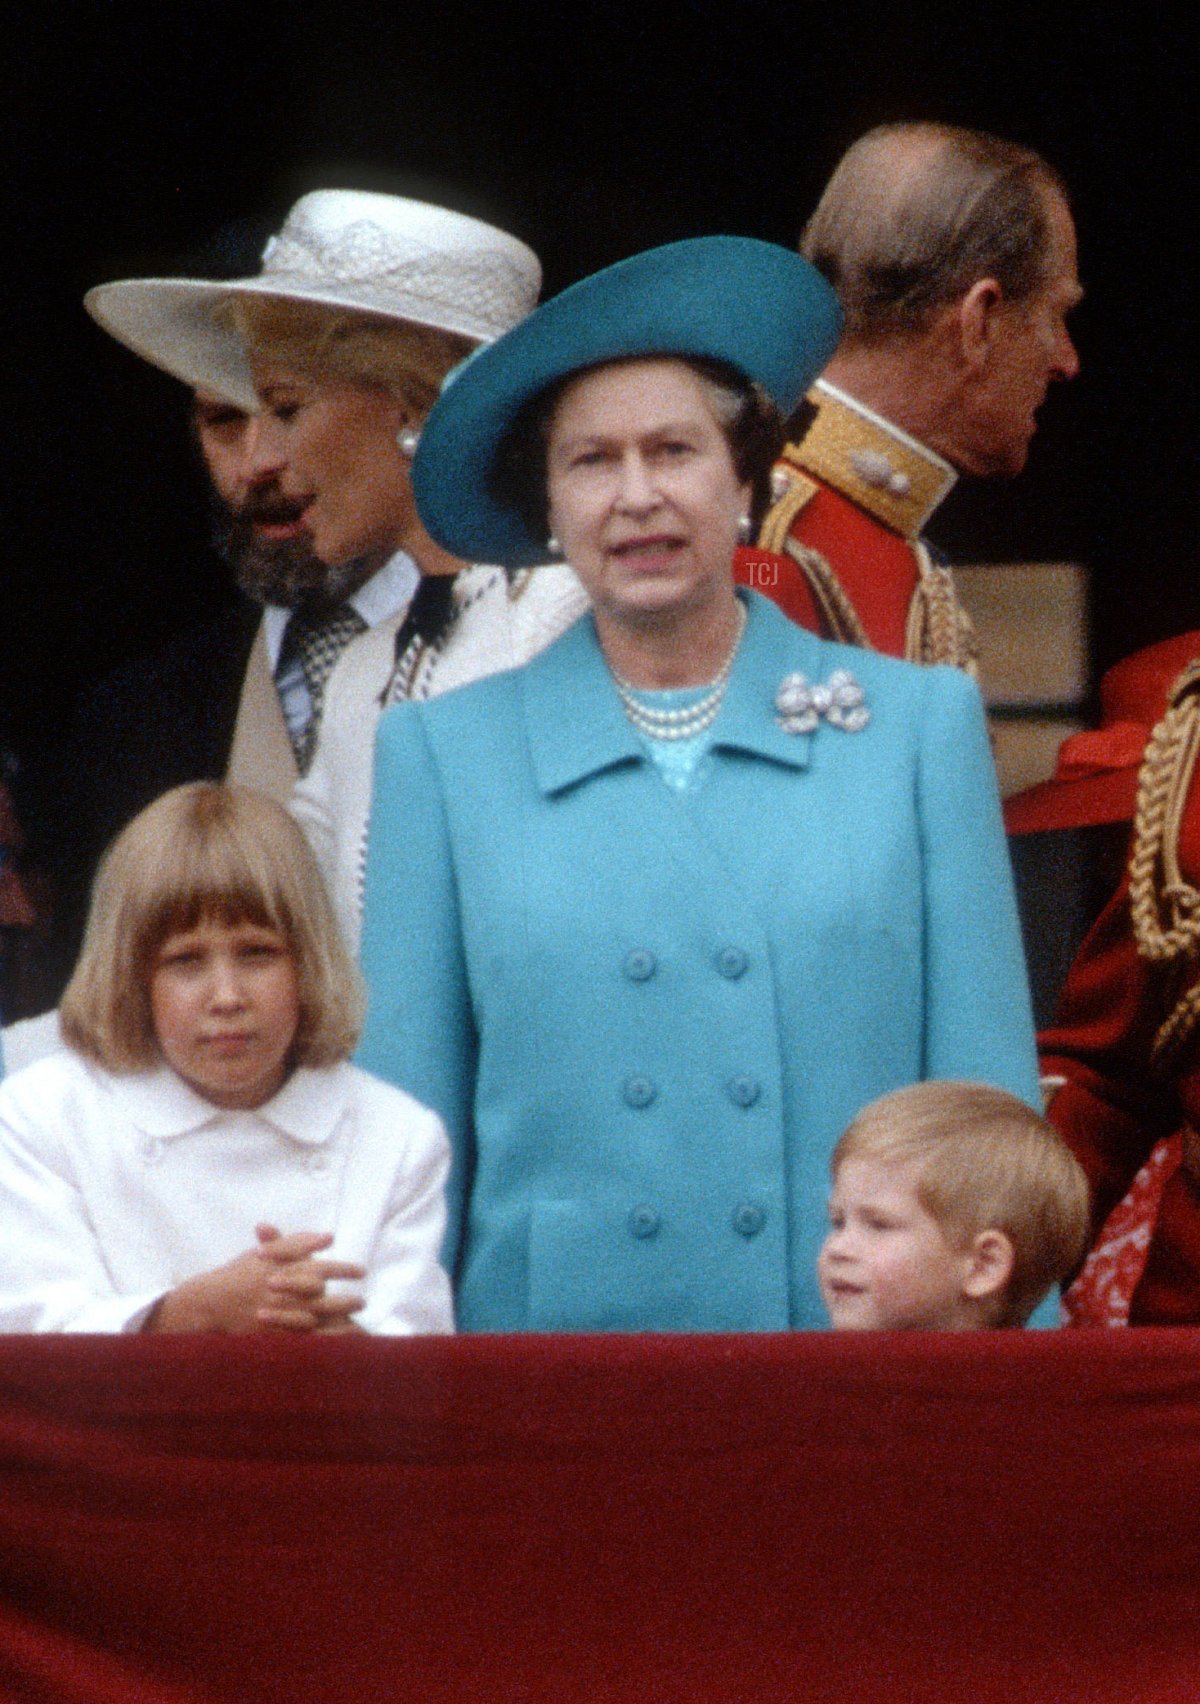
891	475
307	1107
577	727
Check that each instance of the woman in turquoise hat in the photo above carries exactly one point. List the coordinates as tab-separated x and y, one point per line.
649	919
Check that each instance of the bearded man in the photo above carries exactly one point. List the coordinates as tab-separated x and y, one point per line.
323	556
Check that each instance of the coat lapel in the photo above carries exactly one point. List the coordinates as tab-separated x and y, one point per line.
772	647
576	726
573	717
261	755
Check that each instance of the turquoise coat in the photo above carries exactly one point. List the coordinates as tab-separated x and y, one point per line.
646	1016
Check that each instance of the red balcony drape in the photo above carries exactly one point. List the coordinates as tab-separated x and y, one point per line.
1008	1517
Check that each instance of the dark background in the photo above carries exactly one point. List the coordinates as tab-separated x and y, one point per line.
132	134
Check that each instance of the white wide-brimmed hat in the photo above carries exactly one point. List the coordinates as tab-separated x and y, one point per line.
341	248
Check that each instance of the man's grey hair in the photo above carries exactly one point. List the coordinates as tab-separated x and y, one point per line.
915	214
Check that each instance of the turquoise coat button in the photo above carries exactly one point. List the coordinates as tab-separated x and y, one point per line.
748	1219
644	1222
732	962
744	1091
640	965
639	1091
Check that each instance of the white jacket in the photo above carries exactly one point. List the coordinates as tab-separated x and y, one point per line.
499	623
115	1188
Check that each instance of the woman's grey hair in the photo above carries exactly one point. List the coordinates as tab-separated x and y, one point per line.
915	214
750	421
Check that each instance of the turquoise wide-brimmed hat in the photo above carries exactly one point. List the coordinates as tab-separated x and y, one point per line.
754	305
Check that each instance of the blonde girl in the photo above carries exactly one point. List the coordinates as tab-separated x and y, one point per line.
201	1156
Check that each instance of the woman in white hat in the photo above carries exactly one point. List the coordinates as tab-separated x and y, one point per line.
649	919
338	348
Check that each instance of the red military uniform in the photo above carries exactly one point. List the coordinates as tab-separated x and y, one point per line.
840	550
1126	1040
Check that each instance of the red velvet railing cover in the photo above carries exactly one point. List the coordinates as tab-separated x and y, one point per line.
674	1520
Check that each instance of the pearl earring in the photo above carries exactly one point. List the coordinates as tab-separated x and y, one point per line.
745	529
553	547
408	437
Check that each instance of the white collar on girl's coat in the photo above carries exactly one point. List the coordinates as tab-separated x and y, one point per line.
307	1108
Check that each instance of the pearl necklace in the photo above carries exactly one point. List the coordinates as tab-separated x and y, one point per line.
692	719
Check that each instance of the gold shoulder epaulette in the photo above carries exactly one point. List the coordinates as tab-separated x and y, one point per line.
795	490
883	470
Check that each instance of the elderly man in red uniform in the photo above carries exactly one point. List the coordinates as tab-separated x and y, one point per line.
953	254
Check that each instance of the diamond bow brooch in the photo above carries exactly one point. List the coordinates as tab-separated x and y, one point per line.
799	706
